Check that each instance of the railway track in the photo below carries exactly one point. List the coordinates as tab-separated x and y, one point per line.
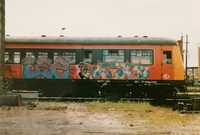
92	99
186	102
183	105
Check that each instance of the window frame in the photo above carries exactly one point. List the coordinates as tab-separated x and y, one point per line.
61	52
16	55
142	55
166	60
7	57
84	51
104	55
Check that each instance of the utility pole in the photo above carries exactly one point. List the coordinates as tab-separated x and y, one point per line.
2	39
2	33
186	56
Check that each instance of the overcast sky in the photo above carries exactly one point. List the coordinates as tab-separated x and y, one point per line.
106	18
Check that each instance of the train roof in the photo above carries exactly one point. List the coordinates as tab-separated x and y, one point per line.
95	40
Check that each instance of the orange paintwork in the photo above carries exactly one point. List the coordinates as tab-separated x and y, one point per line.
13	71
178	64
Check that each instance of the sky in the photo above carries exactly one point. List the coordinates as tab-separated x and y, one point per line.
106	18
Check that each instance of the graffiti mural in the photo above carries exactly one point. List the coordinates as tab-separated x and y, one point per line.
42	67
110	71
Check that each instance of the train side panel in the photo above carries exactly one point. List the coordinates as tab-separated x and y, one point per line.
13	71
159	70
178	66
61	78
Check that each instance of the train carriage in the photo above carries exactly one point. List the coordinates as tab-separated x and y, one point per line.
90	67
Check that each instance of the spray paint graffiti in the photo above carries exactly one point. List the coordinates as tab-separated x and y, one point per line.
61	67
42	68
84	71
112	71
138	72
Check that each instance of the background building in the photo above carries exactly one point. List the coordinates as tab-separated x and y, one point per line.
194	72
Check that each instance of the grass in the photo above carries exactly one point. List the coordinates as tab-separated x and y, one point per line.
127	111
118	106
152	114
48	105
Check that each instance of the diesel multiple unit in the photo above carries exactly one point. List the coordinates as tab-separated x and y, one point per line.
90	67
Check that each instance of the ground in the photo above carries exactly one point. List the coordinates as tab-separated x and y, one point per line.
96	118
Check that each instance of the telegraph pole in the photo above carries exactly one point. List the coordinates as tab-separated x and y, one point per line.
2	37
186	57
2	34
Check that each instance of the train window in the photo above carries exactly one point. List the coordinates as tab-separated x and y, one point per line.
65	57
113	55
16	57
43	58
43	55
29	54
6	57
29	58
143	56
55	57
87	58
167	57
70	57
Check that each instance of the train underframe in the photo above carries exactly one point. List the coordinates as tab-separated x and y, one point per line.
100	88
